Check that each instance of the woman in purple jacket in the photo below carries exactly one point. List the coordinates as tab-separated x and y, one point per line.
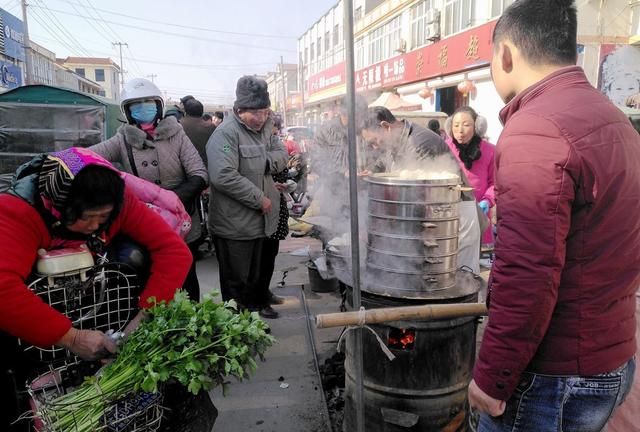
475	156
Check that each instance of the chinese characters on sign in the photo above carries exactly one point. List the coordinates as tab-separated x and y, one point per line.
443	56
472	50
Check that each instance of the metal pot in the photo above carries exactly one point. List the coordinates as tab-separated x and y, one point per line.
413	211
394	283
413	264
416	246
413	228
340	264
428	193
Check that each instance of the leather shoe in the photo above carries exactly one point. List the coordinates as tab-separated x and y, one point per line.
274	299
268	313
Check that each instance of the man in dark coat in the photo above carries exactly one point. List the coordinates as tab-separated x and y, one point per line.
197	128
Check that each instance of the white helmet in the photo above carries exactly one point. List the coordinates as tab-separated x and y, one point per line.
140	89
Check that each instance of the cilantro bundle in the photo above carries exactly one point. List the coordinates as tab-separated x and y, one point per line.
196	344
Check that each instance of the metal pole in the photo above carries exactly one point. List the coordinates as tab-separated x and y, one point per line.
28	78
120	44
301	85
152	76
284	93
353	200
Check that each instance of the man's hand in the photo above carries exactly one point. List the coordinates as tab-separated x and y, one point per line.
88	344
266	205
281	187
482	402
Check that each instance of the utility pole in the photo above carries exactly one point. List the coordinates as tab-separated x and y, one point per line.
27	46
284	92
120	44
301	87
152	76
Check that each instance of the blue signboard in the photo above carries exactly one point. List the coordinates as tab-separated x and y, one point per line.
12	36
10	75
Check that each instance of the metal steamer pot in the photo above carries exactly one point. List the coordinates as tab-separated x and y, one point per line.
413	199
412	236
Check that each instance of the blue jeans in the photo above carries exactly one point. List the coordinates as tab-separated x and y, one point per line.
544	403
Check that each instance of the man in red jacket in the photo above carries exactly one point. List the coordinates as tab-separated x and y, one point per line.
557	351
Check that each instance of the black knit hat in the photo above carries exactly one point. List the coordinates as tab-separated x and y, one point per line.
251	93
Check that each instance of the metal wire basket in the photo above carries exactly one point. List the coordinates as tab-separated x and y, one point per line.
136	412
102	298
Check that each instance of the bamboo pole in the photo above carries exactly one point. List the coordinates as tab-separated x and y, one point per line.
404	313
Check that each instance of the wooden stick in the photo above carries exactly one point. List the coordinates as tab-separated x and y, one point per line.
420	313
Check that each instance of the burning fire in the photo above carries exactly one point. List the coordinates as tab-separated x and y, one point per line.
401	339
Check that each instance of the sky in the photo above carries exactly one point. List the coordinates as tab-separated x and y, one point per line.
200	47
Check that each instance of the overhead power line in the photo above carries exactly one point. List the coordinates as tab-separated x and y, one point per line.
53	20
166	33
189	27
43	22
220	67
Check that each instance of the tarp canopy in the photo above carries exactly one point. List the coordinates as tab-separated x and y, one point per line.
393	102
38	118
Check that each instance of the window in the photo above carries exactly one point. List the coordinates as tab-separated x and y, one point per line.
319	46
99	75
358	13
336	35
459	15
359	52
384	41
327	41
306	55
80	71
498	6
419	23
312	53
115	79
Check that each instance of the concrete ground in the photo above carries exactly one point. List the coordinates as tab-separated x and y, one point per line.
285	393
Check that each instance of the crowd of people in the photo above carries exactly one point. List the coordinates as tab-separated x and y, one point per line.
564	175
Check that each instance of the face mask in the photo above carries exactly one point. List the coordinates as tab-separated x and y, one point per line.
143	112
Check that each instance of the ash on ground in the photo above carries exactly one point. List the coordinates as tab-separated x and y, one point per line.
332	373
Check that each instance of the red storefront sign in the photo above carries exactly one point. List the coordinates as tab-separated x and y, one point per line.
458	53
328	78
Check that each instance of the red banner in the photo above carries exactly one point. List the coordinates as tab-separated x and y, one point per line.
467	50
458	53
328	78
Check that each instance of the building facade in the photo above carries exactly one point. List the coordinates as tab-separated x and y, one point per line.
43	65
436	54
66	78
103	71
12	52
280	94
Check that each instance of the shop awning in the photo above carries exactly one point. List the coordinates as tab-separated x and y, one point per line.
394	102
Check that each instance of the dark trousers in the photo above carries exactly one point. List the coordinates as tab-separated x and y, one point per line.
191	284
240	263
269	253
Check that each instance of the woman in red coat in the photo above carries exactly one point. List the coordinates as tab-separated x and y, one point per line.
62	200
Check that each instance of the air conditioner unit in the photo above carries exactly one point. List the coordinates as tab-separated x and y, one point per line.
432	32
402	46
433	15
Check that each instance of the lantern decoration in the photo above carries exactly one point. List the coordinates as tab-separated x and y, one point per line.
425	92
466	87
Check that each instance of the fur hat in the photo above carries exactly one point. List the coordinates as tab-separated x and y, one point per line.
251	93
